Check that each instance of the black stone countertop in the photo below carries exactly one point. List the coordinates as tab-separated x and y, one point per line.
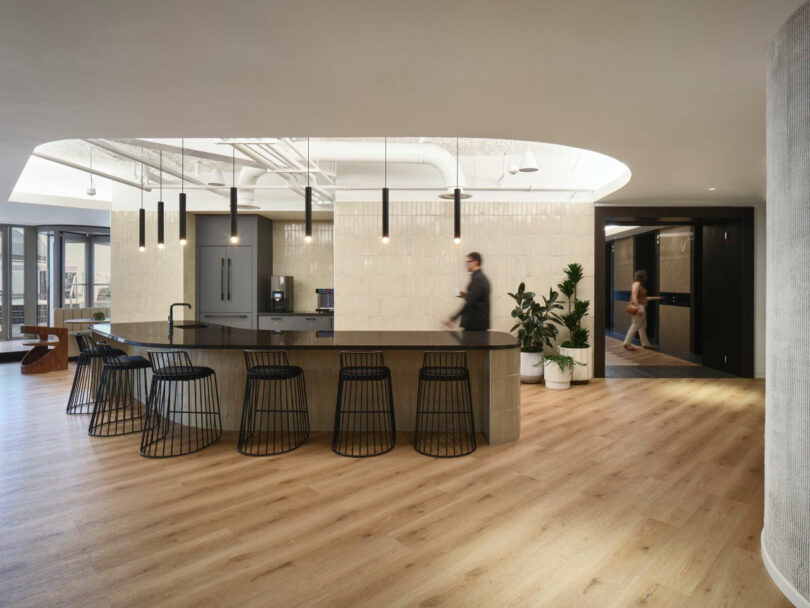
297	313
155	334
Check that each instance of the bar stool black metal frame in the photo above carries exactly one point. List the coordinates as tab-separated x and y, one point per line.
364	412
182	413
87	378
445	427
122	396
274	415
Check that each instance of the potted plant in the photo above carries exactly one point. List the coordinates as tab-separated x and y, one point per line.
576	346
559	370
534	329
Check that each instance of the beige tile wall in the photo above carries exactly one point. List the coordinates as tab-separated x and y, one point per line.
311	264
408	283
145	284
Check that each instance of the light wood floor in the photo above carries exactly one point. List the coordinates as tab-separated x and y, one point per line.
615	354
624	492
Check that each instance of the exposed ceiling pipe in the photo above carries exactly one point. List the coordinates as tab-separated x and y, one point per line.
96	172
346	188
255	154
105	145
246	183
423	154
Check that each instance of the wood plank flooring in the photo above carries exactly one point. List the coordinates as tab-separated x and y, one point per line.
615	355
623	492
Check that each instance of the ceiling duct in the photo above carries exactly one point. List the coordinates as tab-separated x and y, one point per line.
422	154
248	176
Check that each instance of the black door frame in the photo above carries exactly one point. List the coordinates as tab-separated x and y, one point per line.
650	216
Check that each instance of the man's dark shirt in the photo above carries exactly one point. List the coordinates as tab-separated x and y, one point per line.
475	312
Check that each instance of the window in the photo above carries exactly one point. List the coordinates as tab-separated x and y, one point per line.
2	284
17	280
101	273
74	277
44	245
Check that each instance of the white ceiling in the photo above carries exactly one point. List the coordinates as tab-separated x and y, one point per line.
675	90
349	168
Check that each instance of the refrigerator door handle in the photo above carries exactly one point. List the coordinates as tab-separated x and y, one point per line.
221	278
229	278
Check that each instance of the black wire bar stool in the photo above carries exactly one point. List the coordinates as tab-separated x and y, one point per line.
274	416
364	413
182	413
122	394
87	378
444	416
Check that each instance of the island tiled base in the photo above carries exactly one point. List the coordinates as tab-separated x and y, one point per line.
494	378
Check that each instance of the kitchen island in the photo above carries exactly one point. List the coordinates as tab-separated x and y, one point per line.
492	357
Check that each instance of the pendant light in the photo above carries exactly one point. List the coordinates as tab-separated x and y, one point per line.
91	190
160	207
183	240
457	205
529	164
141	218
308	204
234	229
385	196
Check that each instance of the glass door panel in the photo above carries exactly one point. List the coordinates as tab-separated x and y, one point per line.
17	280
43	278
101	273
3	307
74	279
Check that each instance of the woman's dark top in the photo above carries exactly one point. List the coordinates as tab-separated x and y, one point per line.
475	312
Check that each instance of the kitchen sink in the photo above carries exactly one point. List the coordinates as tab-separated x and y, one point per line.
192	326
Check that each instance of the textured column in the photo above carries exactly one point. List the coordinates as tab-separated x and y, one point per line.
786	533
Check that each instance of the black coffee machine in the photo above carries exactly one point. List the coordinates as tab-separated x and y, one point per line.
281	294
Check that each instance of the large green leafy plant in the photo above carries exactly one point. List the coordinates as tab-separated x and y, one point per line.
534	320
577	309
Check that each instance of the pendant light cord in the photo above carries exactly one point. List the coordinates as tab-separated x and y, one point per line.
141	177
161	175
307	161
456	162
182	163
233	167
385	156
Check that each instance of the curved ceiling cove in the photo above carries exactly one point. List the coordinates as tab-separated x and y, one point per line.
272	173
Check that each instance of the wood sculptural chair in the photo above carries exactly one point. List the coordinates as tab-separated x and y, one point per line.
46	355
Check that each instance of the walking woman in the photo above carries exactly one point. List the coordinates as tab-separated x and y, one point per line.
639	299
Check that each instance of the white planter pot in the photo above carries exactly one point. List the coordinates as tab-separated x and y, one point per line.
583	362
531	367
556	378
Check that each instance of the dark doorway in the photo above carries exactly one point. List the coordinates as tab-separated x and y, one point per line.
609	286
721	329
724	346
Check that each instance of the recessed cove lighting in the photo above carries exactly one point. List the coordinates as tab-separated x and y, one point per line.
711	189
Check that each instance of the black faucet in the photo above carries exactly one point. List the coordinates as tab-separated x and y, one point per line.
171	313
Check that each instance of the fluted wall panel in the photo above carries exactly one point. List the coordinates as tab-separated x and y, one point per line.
786	532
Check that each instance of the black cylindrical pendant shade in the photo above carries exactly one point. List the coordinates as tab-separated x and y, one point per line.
182	218
457	214
385	214
160	238
308	213
234	228
141	228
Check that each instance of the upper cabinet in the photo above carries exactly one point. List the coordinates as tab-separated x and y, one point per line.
232	279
